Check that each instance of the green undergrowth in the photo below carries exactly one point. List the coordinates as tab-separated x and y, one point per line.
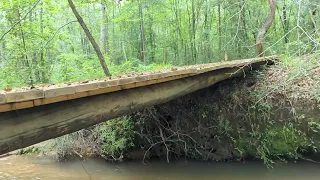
117	137
73	67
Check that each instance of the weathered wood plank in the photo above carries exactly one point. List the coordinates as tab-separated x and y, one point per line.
23	105
3	99
59	91
24	96
6	107
104	90
50	100
16	106
87	87
104	84
128	80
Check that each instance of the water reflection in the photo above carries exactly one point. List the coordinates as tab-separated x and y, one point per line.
32	167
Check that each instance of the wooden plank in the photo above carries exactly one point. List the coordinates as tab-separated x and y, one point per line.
3	99
181	72
50	100
145	83
16	106
172	78
128	86
39	102
86	87
155	81
108	83
23	105
156	76
104	90
165	74
6	107
78	95
192	71
127	80
142	78
212	68
24	96
59	91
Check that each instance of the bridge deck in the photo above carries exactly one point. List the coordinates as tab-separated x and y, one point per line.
22	98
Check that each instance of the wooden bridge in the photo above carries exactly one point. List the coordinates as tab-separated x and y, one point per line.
30	116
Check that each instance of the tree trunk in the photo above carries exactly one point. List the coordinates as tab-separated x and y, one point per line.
219	26
285	23
103	29
265	27
193	41
242	8
43	76
91	39
143	49
25	56
314	26
152	40
180	42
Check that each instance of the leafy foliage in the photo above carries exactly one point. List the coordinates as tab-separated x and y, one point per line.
117	137
42	43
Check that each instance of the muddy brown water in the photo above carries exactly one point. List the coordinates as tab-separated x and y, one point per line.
38	168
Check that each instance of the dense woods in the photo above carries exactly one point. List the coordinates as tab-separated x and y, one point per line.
41	41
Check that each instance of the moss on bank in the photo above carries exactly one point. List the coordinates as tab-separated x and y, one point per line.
270	115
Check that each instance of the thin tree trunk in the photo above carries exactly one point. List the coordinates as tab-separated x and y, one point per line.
243	18
28	63
315	28
103	29
285	22
113	30
91	39
219	26
152	40
142	35
179	31
265	27
42	59
194	47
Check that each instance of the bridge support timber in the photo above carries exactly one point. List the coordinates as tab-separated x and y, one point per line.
22	128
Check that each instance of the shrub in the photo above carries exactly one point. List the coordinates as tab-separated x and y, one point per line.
117	137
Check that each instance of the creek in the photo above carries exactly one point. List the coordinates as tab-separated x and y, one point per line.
30	167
